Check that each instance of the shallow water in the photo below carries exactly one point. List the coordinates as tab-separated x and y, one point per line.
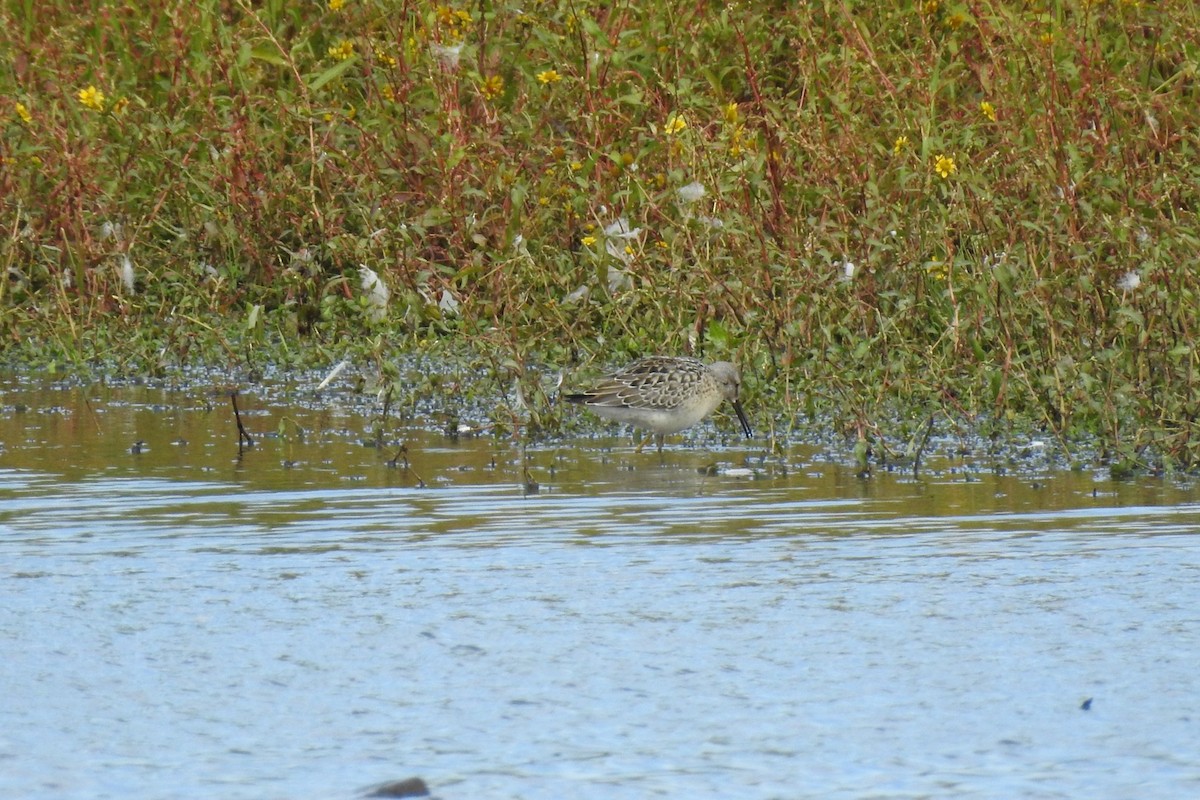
302	620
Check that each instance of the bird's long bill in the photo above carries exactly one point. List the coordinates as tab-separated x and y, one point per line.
742	419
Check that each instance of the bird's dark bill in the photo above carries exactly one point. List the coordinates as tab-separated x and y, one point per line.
741	415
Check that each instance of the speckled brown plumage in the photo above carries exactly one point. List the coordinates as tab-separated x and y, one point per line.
665	394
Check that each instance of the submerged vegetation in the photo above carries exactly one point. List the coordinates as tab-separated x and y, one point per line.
940	213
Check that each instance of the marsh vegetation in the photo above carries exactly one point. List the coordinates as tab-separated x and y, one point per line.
893	216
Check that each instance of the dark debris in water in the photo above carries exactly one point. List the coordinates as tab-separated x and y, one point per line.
409	787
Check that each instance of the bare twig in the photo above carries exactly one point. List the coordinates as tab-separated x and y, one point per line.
243	436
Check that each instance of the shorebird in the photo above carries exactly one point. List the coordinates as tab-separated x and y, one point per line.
665	394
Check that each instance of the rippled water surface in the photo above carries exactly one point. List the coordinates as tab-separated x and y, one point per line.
303	620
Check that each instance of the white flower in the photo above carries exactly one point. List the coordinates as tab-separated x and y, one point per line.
848	268
449	303
378	293
1129	281
691	193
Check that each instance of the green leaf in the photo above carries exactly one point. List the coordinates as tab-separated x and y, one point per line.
336	71
718	334
433	217
269	55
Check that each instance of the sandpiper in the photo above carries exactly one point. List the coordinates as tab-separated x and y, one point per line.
664	394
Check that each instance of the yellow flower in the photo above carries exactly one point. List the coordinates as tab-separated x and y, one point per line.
23	113
588	241
900	145
92	98
956	20
342	50
730	112
491	87
453	16
576	166
944	165
675	124
120	106
336	5
548	76
452	22
988	110
930	7
384	57
937	269
349	112
735	142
